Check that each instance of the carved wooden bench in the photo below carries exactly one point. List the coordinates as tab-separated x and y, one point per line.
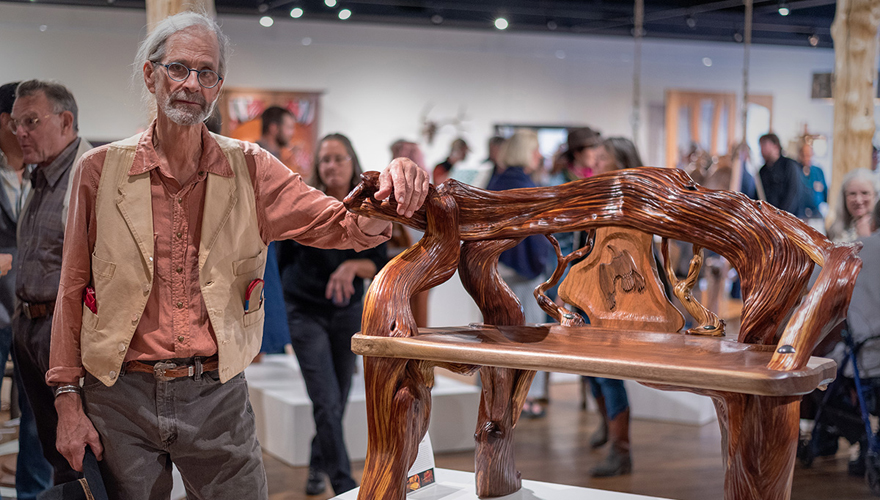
755	380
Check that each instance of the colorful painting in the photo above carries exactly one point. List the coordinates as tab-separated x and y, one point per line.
241	110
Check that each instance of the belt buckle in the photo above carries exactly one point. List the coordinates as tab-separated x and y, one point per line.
160	368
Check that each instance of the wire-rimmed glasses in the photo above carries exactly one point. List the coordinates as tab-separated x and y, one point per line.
29	124
178	72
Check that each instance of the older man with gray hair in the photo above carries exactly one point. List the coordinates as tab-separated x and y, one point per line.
159	307
44	120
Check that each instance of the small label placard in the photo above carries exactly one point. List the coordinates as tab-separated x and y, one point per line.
422	472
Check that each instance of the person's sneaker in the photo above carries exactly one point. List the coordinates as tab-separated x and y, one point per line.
315	483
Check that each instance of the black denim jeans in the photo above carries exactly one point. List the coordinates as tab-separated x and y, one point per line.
30	343
321	339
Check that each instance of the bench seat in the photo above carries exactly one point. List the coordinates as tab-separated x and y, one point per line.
649	357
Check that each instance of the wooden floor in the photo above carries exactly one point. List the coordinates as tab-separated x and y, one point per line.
671	461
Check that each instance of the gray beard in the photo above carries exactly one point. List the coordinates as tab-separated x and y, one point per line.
183	116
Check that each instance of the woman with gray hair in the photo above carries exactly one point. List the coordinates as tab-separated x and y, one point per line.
852	218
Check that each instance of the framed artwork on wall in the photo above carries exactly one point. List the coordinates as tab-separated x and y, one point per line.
240	110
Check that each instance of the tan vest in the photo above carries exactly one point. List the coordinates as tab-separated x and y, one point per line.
231	255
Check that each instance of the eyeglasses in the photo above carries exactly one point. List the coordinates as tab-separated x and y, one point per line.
29	124
326	160
178	72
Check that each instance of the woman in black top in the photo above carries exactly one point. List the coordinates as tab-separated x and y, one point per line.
323	291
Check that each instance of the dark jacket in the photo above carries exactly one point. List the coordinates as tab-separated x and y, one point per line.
783	185
528	258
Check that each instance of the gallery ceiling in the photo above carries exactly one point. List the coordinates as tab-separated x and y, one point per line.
805	23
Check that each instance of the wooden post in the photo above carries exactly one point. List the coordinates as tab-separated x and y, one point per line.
158	10
855	67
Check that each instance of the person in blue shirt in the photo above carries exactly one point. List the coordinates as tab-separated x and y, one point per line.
814	181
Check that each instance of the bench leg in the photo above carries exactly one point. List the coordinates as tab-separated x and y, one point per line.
398	410
504	392
759	442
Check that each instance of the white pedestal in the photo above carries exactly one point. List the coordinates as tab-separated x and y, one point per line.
457	485
653	404
285	425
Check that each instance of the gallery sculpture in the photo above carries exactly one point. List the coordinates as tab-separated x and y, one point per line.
755	379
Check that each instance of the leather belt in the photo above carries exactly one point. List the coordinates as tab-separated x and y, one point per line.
37	310
166	370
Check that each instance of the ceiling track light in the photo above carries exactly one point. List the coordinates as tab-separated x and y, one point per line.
783	8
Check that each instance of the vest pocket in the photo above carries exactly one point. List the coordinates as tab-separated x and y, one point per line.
89	320
102	268
248	265
254	317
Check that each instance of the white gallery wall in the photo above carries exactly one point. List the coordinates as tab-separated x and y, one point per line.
378	81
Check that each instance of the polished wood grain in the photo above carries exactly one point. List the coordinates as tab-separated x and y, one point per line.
556	311
764	244
467	228
504	389
708	322
629	295
674	359
398	391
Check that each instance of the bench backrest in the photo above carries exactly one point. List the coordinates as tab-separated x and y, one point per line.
467	228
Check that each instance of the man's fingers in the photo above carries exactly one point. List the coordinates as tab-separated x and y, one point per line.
75	459
403	191
385	185
96	446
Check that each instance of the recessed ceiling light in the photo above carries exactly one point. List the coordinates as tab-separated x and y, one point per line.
330	3
307	41
551	25
737	37
691	22
262	8
344	14
266	21
707	62
813	39
296	12
437	19
501	23
43	27
560	54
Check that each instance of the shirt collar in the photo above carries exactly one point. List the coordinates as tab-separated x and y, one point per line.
61	163
212	161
